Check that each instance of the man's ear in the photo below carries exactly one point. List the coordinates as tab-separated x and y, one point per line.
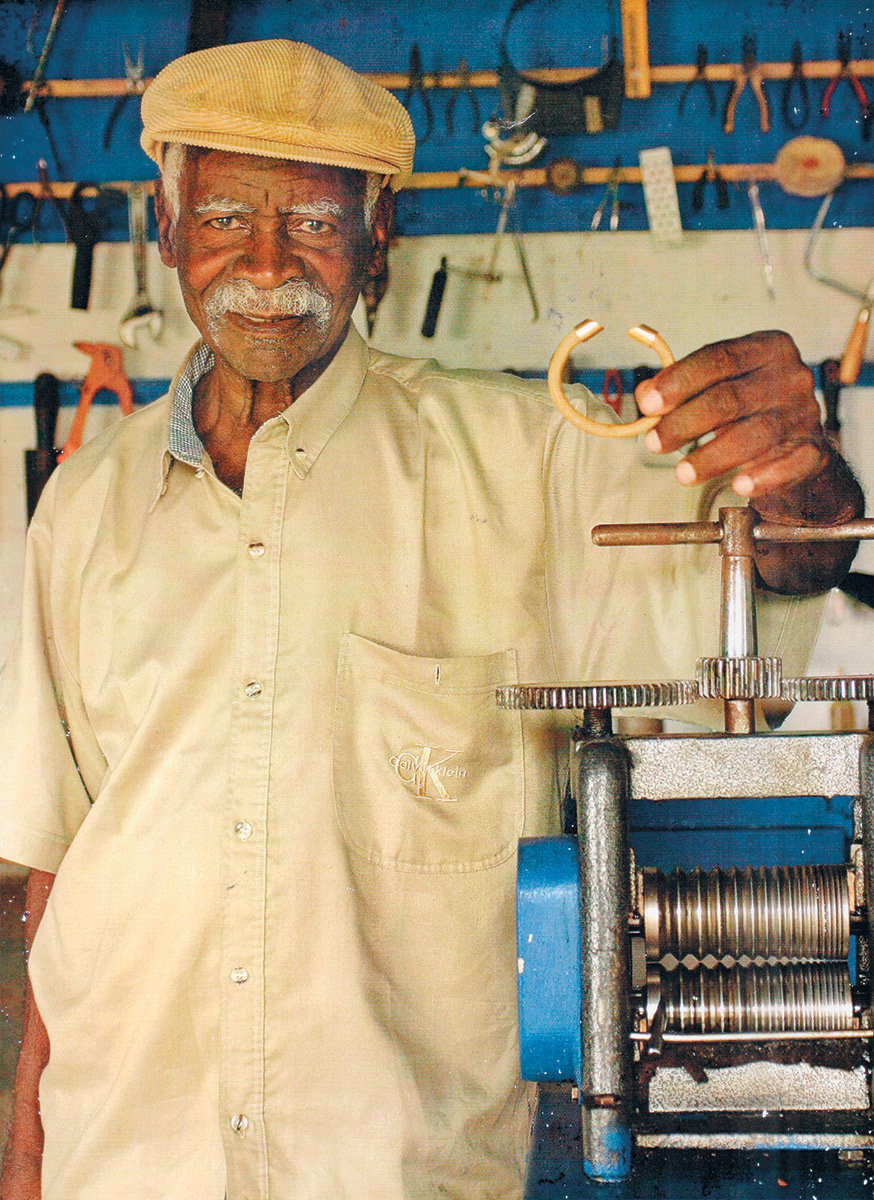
380	231
166	227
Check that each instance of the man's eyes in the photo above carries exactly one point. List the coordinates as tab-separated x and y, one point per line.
295	224
227	222
312	225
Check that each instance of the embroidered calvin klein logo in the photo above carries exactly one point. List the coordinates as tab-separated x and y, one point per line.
424	769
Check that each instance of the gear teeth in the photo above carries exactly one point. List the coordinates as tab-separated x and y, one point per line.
829	687
740	678
598	695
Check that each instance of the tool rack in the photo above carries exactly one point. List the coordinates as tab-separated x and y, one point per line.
532	177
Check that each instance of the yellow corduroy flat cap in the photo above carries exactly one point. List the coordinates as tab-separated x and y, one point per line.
278	99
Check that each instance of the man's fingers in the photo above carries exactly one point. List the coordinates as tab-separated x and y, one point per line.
780	467
759	436
772	356
733	414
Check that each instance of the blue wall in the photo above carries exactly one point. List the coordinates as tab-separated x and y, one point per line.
376	36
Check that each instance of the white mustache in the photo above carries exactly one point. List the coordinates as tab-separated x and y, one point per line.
296	298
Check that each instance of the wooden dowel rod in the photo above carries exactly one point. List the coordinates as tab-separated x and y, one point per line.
530	177
398	80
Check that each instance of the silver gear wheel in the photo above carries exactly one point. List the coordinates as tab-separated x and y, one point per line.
597	695
829	687
740	678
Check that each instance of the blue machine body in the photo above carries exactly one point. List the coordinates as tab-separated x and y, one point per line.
548	949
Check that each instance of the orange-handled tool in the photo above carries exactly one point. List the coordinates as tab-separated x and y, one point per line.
107	372
851	360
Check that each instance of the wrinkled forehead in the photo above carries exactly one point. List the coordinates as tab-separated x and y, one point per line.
232	172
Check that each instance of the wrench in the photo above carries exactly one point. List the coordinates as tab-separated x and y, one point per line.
141	312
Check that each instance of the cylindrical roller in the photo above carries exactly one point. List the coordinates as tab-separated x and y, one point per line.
758	912
605	900
769	999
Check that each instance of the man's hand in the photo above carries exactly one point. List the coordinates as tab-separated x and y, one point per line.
756	397
21	1175
22	1161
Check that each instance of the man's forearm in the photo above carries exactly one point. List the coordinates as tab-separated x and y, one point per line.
22	1160
829	498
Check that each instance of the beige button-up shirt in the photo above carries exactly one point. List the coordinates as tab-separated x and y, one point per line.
256	739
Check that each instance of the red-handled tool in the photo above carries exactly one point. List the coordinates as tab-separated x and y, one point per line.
611	390
107	372
845	71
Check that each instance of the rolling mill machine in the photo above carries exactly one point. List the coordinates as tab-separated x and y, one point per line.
729	1009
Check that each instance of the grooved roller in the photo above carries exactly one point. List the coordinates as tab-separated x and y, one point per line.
768	912
790	997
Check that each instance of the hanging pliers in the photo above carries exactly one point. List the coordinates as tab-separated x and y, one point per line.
796	110
845	45
416	87
135	85
748	72
700	76
611	197
463	88
710	174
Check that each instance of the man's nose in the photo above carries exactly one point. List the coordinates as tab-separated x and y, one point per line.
271	258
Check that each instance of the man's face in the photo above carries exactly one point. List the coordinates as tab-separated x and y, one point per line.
271	256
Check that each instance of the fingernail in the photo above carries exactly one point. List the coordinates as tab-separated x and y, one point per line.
653	442
743	485
651	402
685	472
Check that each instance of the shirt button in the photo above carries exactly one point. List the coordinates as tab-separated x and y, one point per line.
256	549
253	690
239	975
243	830
239	1123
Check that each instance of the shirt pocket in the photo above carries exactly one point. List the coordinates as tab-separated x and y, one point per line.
428	771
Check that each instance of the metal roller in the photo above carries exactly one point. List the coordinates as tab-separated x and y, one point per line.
787	997
758	912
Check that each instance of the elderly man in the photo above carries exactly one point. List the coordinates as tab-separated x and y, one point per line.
249	739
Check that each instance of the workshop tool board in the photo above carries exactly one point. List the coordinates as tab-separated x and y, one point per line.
378	39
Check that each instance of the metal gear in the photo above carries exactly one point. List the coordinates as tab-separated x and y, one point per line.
748	678
829	687
597	695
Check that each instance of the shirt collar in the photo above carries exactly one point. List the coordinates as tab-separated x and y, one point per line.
183	441
312	419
